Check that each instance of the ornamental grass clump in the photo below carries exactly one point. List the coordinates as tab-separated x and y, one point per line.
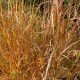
39	43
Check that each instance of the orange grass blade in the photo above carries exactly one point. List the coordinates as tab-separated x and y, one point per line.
56	19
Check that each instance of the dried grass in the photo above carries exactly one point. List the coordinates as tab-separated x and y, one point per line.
39	46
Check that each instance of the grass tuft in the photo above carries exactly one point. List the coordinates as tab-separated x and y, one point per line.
38	45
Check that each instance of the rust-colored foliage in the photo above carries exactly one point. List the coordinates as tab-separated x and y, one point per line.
39	46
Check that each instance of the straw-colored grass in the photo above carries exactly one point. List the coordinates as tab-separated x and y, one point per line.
39	46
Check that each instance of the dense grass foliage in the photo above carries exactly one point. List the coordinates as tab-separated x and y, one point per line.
37	45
